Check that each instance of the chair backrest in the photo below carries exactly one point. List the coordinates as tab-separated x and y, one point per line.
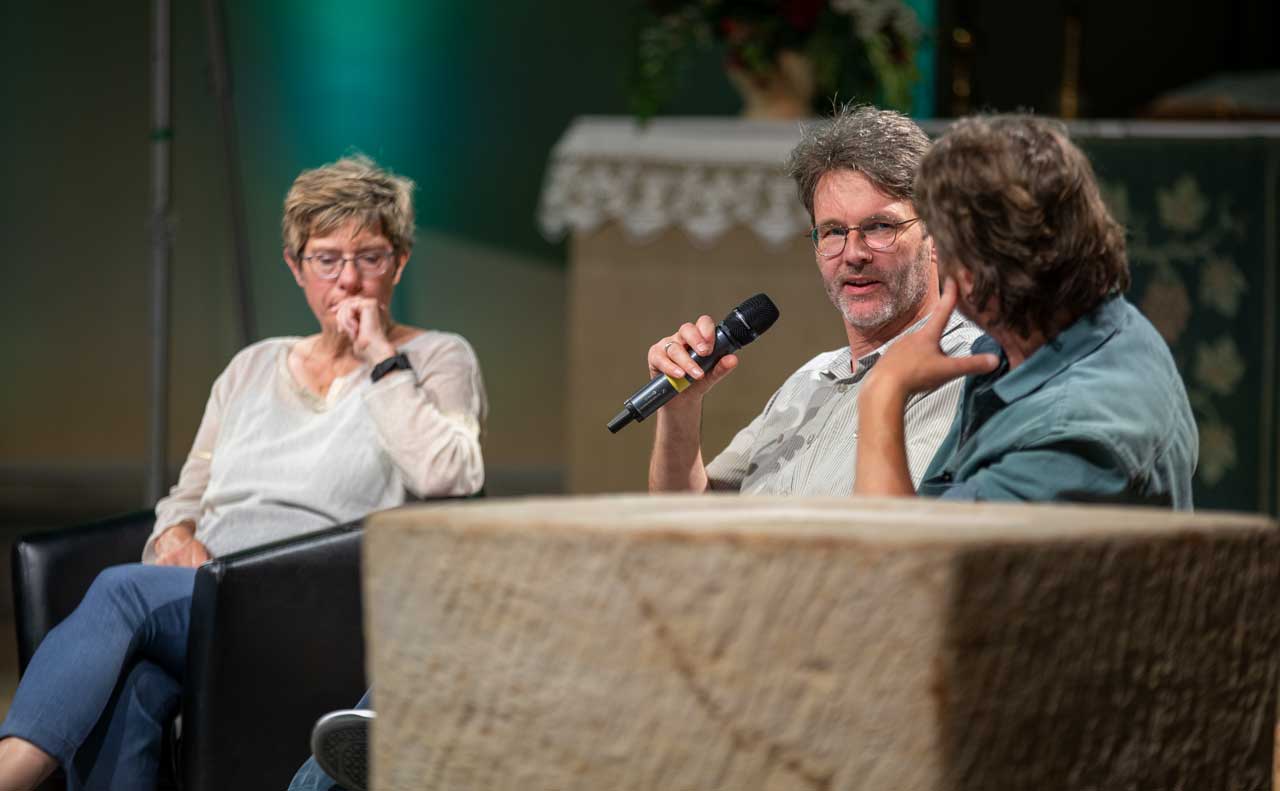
276	640
52	571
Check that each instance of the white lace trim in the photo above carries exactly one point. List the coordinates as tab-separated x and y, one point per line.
706	176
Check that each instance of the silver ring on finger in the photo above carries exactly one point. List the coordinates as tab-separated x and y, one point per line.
668	345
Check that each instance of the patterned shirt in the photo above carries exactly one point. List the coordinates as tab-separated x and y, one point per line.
806	440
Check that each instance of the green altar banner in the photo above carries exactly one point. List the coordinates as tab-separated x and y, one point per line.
1203	237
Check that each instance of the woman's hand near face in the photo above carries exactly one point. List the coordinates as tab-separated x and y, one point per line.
366	321
916	363
177	546
913	364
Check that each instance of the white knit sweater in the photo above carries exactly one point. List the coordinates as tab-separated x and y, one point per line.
272	460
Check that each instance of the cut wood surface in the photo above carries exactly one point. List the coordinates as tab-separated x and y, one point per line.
670	643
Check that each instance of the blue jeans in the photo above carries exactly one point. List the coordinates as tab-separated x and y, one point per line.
311	777
104	683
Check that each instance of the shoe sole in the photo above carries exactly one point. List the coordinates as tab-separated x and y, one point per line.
340	744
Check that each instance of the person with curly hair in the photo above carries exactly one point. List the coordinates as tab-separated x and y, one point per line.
1072	394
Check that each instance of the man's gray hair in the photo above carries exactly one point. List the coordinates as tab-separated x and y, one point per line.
882	145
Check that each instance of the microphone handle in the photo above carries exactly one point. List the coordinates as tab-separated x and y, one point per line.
663	388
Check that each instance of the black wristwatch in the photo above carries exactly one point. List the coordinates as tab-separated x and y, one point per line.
394	363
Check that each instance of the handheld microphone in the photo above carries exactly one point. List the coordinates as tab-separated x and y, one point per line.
743	325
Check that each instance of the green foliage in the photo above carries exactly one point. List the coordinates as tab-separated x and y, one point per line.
861	50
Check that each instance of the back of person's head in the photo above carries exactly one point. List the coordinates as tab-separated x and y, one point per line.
882	145
1012	200
354	188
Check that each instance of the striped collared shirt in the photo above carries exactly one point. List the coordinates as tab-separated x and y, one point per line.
806	440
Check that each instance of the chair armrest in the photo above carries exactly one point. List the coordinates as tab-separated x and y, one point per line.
52	570
276	640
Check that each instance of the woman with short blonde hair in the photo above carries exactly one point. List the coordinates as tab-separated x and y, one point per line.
299	434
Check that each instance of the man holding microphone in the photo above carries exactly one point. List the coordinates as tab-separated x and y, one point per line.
878	264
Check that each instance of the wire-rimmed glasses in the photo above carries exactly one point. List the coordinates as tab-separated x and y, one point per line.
829	240
369	263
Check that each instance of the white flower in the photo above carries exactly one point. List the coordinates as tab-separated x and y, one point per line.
1221	285
1182	207
1168	307
1217	451
1219	365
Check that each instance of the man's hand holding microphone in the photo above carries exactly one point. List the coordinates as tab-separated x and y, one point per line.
689	362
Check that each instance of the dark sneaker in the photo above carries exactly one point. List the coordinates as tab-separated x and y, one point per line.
340	743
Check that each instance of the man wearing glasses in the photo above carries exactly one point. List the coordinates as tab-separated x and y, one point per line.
878	265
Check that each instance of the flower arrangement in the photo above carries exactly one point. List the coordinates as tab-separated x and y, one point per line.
856	49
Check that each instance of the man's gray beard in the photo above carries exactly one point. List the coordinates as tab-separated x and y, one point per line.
864	321
906	299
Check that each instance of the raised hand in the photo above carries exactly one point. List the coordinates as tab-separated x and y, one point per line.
913	364
367	323
916	363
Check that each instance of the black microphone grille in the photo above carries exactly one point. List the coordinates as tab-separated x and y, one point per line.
751	319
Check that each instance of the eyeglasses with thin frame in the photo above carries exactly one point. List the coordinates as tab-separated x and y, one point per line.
829	240
369	263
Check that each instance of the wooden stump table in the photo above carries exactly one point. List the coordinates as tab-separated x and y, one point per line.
706	643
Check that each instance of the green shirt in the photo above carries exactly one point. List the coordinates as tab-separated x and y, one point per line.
1098	414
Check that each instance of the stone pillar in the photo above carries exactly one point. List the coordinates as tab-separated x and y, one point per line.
672	643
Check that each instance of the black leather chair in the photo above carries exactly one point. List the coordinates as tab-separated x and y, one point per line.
276	640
